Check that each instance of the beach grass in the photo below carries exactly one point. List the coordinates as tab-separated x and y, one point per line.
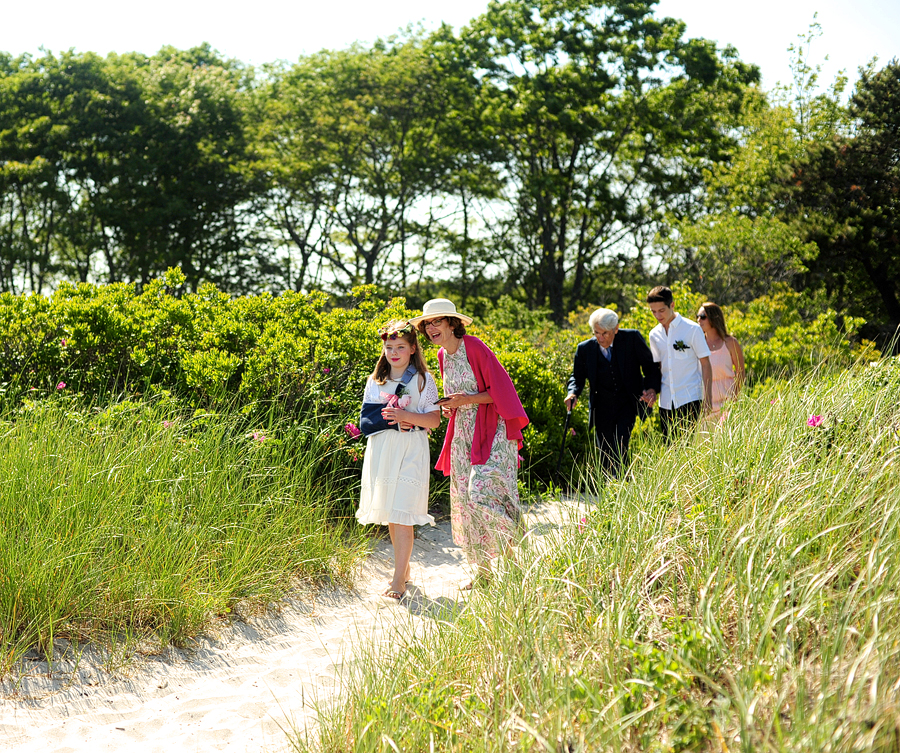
737	593
133	521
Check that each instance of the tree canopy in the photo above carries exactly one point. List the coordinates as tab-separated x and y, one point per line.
554	151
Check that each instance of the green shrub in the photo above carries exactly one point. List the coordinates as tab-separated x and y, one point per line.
293	354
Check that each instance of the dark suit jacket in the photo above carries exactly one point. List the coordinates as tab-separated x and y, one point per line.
616	386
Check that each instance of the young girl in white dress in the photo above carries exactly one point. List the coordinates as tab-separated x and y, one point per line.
397	463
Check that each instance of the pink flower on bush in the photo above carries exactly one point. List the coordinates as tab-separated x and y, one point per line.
258	436
168	424
582	524
572	432
61	386
814	421
352	430
62	343
326	370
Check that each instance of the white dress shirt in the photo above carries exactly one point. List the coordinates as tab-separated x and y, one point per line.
682	380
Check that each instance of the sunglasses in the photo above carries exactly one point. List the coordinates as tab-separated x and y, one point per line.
701	317
436	322
393	335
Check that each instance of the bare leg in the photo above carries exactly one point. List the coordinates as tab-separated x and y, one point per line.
402	538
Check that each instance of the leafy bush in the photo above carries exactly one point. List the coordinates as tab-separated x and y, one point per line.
782	333
294	354
288	354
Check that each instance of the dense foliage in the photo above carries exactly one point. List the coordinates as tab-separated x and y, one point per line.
551	151
295	355
851	188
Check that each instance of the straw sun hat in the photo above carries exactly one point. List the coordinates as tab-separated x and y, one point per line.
438	307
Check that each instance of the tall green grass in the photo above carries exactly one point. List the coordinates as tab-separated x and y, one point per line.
739	592
131	520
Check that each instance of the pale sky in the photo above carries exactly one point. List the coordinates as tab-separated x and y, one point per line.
261	31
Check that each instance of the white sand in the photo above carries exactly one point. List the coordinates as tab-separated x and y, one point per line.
238	690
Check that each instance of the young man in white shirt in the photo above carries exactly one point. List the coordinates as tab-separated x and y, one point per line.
679	346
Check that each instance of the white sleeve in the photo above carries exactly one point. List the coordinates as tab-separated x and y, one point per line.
701	347
654	347
428	397
372	393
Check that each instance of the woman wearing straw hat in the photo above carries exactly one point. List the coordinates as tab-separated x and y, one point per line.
480	452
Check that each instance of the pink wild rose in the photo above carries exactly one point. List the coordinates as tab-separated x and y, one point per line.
352	430
815	421
61	386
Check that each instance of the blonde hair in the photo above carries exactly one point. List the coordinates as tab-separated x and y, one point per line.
405	330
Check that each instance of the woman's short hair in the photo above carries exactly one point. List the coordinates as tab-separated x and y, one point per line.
456	326
605	319
715	317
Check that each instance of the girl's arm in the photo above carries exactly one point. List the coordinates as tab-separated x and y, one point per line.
737	358
430	420
429	416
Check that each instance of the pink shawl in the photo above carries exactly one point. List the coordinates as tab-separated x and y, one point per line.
492	378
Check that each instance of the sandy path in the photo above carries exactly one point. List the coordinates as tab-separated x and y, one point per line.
240	689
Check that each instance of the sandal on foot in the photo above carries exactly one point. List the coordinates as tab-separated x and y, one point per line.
395	597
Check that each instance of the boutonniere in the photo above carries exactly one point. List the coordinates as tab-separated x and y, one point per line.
680	346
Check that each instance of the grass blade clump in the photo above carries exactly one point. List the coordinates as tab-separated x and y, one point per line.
133	520
737	593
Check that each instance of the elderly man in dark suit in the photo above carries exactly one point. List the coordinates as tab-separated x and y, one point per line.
620	367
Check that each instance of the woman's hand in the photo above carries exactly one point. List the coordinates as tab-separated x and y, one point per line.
450	403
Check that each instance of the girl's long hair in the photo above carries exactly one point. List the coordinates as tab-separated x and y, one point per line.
716	318
405	330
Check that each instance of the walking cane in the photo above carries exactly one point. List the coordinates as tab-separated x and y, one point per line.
563	445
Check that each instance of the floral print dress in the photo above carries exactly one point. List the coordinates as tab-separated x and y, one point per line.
484	499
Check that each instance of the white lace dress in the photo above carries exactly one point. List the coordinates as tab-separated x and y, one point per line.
397	464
